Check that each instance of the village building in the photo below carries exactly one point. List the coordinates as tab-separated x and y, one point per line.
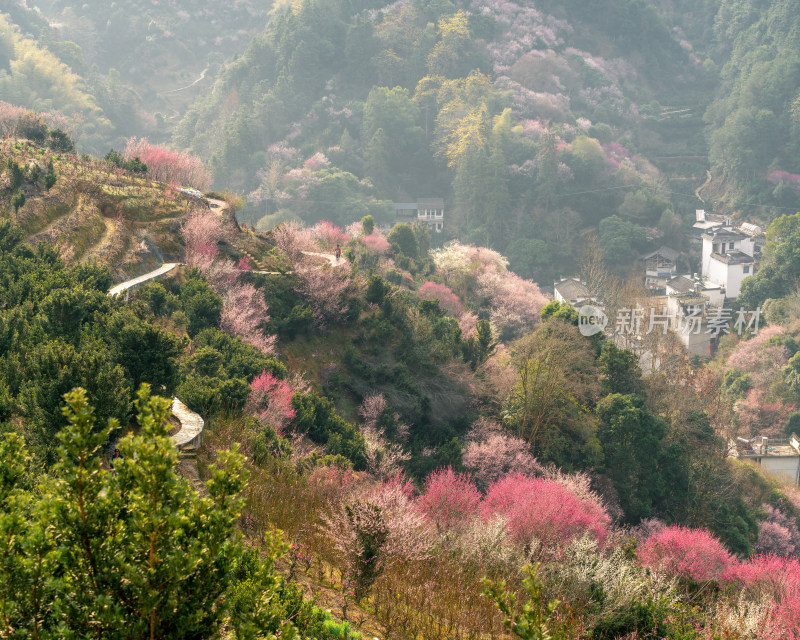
427	210
659	266
779	456
730	255
571	291
704	223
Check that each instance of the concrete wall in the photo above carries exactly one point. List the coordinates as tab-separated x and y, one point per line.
787	467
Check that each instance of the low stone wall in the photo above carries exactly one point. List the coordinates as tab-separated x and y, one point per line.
191	432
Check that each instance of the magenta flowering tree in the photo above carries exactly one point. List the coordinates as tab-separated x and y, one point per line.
243	313
444	295
540	510
328	235
777	579
450	499
271	400
244	264
168	165
691	554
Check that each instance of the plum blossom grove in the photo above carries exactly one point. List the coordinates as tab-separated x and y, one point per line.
244	311
167	165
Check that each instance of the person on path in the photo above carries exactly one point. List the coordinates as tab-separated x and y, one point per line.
338	253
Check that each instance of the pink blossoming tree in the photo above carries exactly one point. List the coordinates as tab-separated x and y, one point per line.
539	510
243	312
167	165
691	554
450	499
271	400
444	295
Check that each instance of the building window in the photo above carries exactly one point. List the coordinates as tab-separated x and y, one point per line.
730	245
746	268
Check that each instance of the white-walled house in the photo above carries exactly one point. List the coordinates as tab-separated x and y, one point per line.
780	457
729	256
571	291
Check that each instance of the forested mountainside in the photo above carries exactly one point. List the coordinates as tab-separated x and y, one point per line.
534	121
404	438
510	112
141	62
427	407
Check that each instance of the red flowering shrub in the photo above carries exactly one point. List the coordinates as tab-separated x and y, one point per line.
693	554
271	399
447	299
778	579
450	499
244	264
543	510
328	235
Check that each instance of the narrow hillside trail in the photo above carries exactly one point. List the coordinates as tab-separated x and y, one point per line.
188	86
190	434
330	257
105	240
122	287
699	189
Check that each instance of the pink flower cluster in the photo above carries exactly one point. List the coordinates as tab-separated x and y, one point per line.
779	580
328	235
616	154
693	554
791	179
243	312
533	509
167	165
10	115
376	244
444	295
271	400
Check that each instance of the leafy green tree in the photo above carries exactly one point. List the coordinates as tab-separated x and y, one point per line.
50	176
563	310
631	440
135	554
535	621
18	200
620	239
52	369
146	352
59	141
10	236
780	266
620	369
403	240
200	303
317	418
15	174
367	225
